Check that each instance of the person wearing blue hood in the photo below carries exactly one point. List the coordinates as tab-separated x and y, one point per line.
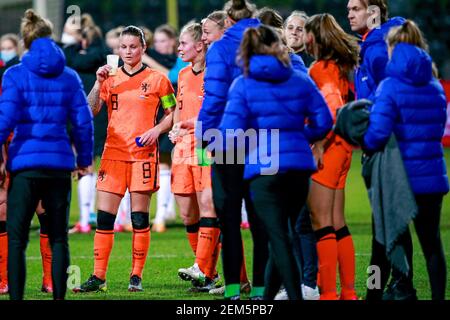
273	97
227	178
369	19
372	25
410	103
40	95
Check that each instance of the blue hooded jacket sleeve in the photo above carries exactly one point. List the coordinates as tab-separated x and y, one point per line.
217	83
82	121
382	118
10	106
236	113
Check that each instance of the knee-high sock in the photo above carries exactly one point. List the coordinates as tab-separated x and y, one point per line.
208	237
243	275
163	196
141	241
103	243
327	253
85	198
346	259
192	235
3	253
45	248
141	244
212	266
46	255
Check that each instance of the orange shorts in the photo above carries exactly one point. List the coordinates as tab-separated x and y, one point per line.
336	164
117	176
188	179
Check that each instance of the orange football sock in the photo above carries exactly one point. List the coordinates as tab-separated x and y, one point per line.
346	259
3	258
212	266
192	235
208	236
103	243
244	277
46	255
327	254
141	243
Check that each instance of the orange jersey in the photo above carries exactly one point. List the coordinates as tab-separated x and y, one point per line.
333	87
190	99
338	155
133	102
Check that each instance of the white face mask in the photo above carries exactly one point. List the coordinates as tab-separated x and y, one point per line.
8	55
68	39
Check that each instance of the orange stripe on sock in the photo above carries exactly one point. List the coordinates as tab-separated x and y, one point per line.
328	237
141	231
103	243
327	254
141	244
346	258
207	242
104	231
46	255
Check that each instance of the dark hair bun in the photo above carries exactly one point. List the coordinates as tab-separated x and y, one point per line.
239	4
31	17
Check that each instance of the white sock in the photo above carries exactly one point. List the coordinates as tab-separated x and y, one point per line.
84	198
93	192
244	217
92	207
163	195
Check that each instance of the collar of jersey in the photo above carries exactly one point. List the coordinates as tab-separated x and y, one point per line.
144	66
196	73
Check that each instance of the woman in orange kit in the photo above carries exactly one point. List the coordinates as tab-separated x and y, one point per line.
336	55
191	183
130	159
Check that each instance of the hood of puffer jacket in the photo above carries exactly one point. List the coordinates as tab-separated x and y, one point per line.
410	64
45	58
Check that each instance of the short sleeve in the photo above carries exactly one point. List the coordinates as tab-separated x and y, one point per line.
104	90
166	93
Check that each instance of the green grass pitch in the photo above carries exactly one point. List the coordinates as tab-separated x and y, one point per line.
170	251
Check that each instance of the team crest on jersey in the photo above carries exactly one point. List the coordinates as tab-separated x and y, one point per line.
145	87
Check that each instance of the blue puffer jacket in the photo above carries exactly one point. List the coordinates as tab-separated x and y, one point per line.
277	97
297	63
40	95
221	70
374	58
411	103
